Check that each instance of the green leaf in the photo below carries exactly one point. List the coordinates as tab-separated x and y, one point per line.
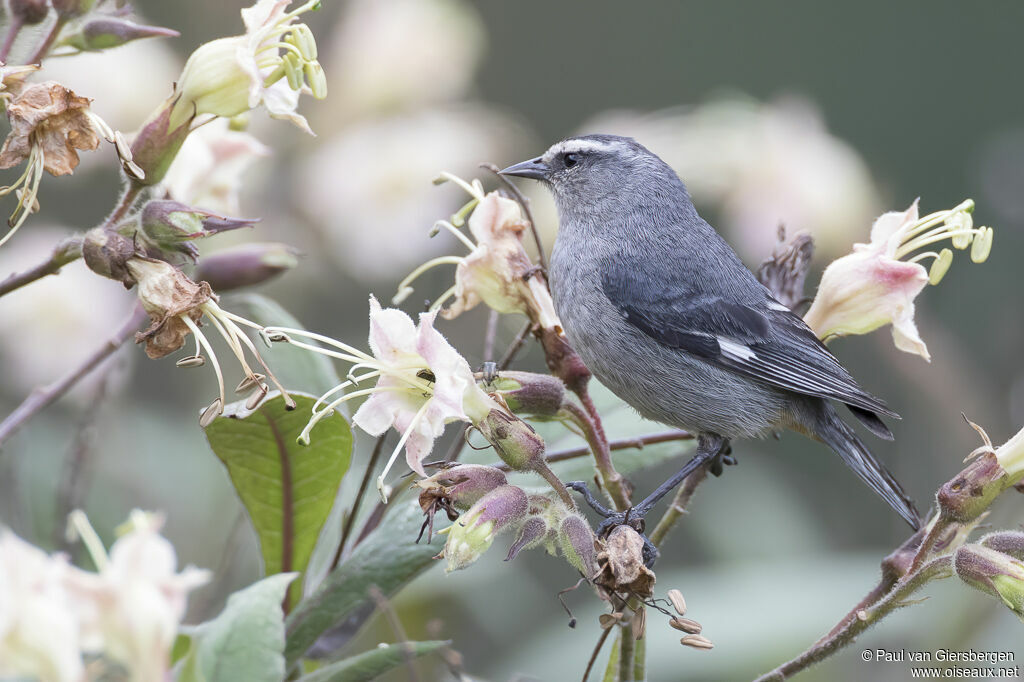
295	368
287	488
245	641
370	664
389	558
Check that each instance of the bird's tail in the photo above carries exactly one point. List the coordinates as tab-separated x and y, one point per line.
838	435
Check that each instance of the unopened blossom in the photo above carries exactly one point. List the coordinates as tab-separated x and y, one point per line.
208	169
39	633
994	573
177	306
877	283
473	533
131	609
271	64
422	383
497	270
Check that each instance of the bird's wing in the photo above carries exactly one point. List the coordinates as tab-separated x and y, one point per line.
758	337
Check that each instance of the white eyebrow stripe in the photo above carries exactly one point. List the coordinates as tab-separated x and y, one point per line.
577	145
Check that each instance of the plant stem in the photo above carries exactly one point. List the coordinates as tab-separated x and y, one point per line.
346	529
621	444
515	346
935	569
46	395
66	251
12	33
593	432
597	650
679	505
47	43
556	483
396	627
626	653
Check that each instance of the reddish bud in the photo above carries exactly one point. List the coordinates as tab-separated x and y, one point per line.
246	265
110	31
530	393
30	12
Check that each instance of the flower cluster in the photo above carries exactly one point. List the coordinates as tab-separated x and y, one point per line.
51	613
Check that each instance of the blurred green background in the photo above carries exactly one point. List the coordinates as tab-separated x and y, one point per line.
816	115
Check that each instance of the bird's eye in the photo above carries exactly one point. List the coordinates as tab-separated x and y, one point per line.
572	159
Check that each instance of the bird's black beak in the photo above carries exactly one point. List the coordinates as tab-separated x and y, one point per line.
535	169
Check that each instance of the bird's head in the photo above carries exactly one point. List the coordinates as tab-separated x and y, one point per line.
593	169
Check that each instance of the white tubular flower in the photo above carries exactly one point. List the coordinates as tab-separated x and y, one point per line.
177	306
39	634
877	283
132	608
497	270
422	383
271	64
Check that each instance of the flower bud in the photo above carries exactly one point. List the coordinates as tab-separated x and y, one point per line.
530	393
1006	541
514	440
473	533
970	493
246	265
577	542
158	142
30	12
531	534
72	8
172	225
462	485
213	80
110	31
106	252
994	573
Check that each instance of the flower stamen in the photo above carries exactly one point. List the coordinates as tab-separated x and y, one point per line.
398	448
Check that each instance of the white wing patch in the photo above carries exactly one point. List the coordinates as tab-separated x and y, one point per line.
734	349
775	305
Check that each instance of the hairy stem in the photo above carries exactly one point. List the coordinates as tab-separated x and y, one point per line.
627	650
597	650
934	569
44	46
556	483
46	395
593	432
13	29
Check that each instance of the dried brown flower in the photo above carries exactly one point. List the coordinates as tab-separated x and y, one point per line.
54	121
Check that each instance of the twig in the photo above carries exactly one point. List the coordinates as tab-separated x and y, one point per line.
69	493
356	503
594	654
679	505
627	648
490	332
933	570
16	22
44	396
396	627
513	348
47	42
622	444
66	251
525	203
594	434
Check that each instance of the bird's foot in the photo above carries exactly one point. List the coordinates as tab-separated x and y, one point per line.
611	519
723	459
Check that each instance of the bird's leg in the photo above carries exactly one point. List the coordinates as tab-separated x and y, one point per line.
709	448
723	459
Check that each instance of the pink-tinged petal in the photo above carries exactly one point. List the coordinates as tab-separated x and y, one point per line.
905	335
862	292
495	218
281	102
378	413
392	333
887	231
262	14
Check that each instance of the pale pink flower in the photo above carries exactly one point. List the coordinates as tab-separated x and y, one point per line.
39	634
271	64
875	286
422	382
132	608
497	271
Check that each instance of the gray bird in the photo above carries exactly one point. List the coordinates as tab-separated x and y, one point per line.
664	314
